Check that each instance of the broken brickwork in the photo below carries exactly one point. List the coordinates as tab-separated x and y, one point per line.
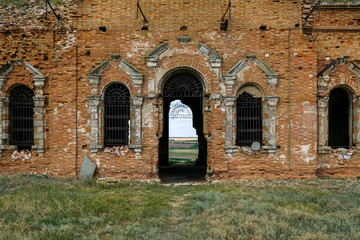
268	48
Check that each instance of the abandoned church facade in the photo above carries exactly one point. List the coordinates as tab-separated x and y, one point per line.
273	73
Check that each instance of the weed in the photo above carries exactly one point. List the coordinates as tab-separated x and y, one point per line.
38	207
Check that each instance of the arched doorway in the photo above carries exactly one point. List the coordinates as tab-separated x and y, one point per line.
339	118
188	88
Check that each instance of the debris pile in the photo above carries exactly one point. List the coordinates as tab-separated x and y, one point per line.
117	150
21	155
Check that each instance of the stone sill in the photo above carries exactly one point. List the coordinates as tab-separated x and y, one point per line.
264	150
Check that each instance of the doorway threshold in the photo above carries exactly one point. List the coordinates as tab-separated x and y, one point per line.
182	173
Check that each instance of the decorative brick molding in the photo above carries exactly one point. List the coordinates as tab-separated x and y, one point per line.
230	135
137	123
356	70
95	105
5	70
324	76
323	103
39	135
94	109
324	88
39	109
2	133
39	106
39	78
96	124
214	58
95	75
271	102
136	76
229	103
357	123
271	76
152	58
231	76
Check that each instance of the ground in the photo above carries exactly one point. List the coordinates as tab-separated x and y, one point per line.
38	207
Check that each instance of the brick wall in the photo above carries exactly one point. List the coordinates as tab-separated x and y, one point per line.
284	45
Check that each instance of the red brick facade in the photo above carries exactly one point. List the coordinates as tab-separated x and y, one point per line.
268	45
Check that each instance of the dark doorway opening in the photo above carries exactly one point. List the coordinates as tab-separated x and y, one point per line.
187	88
339	118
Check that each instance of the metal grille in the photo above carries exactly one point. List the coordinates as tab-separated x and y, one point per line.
249	120
116	115
21	108
183	85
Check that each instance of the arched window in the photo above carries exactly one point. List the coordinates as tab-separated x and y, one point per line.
339	118
21	109
116	115
249	119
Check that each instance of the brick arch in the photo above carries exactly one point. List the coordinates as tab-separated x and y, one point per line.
249	84
111	83
10	88
204	81
197	63
260	82
348	84
112	75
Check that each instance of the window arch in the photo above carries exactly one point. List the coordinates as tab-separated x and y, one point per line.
249	116
340	118
21	109
116	115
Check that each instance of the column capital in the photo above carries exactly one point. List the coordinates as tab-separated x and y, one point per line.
137	100
229	101
323	102
272	102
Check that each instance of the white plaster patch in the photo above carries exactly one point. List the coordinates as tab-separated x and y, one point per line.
306	103
323	165
327	58
211	35
21	155
147	119
82	130
217	104
267	55
310	75
55	111
295	54
305	152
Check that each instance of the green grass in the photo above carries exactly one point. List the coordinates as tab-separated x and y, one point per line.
36	207
174	160
183	151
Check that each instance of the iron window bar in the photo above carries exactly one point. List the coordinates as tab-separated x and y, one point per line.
183	85
116	115
21	110
249	119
